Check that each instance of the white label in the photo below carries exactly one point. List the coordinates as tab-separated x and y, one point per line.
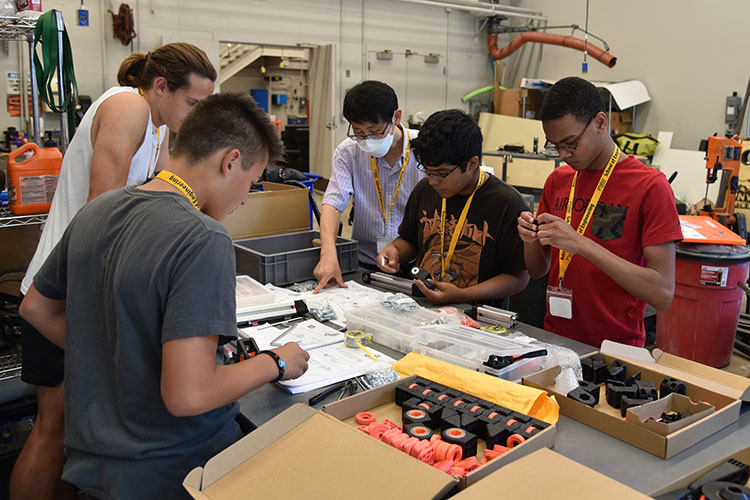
561	307
714	276
37	189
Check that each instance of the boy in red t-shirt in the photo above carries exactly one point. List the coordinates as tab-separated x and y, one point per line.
617	235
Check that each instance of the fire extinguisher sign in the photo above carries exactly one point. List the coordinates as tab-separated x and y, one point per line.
714	276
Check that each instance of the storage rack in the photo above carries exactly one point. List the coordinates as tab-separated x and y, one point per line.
22	29
9	219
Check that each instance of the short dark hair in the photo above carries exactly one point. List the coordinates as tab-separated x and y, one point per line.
370	101
449	136
228	120
572	96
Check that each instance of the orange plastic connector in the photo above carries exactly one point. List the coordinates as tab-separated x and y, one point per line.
457	471
409	445
398	440
377	430
364	428
443	465
468	464
493	414
364	417
413	385
425	406
391	424
514	440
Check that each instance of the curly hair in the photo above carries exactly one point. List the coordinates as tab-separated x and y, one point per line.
449	136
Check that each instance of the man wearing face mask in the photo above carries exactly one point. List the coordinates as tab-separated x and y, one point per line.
376	167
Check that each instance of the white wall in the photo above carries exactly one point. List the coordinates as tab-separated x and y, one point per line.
690	54
352	26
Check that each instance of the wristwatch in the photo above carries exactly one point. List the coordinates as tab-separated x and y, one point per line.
279	363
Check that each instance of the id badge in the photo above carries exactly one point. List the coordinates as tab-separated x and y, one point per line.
560	302
383	242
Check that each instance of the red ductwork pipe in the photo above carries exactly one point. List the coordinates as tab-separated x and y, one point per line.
534	36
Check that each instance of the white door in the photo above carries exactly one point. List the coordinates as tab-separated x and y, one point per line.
322	110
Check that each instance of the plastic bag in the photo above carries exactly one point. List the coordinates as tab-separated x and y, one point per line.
399	302
8	8
321	309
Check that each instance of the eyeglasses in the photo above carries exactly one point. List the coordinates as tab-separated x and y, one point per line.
359	138
572	148
431	174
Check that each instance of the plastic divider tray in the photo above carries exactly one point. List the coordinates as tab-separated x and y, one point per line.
289	258
469	347
391	328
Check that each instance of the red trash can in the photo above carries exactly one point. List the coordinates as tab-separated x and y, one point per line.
701	322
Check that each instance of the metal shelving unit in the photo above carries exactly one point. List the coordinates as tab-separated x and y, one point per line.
22	28
9	219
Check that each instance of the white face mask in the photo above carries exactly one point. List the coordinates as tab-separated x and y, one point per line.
377	147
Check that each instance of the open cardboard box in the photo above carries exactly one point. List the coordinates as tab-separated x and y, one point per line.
381	401
304	453
743	456
545	474
724	391
278	209
642	415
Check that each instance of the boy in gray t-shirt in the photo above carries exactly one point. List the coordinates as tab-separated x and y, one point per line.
140	292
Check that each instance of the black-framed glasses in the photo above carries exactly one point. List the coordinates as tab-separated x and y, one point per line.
572	148
432	174
359	138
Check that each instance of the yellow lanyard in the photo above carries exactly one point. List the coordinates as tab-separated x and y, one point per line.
180	184
158	143
566	257
446	261
379	188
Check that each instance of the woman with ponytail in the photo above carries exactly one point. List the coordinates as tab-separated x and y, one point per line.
122	140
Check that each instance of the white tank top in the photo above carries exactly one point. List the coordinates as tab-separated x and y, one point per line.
75	174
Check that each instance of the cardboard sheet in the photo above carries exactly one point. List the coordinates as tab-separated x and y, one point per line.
546	474
528	400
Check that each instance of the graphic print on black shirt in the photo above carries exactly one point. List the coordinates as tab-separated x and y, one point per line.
463	270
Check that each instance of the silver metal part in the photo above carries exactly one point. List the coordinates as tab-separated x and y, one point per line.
495	316
391	282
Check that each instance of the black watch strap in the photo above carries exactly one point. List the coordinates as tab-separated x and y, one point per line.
279	364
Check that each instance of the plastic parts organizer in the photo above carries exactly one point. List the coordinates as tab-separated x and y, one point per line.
442	337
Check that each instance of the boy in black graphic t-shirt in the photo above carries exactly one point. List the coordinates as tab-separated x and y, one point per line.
484	260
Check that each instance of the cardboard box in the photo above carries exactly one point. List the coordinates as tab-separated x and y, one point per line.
743	456
622	122
510	102
278	209
724	391
643	415
304	453
381	401
545	474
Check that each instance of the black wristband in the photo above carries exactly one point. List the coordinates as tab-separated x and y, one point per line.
279	364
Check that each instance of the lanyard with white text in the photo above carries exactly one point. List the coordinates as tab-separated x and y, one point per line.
158	144
446	260
566	257
378	187
181	185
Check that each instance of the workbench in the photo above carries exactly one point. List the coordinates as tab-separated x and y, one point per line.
508	156
627	464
